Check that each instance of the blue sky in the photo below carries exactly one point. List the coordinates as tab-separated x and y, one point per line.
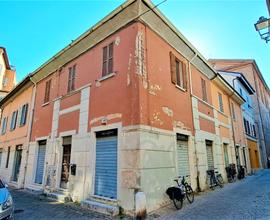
33	31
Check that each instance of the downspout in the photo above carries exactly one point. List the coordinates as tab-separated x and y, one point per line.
230	108
191	95
29	132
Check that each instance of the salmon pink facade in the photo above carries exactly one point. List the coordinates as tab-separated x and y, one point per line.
15	131
123	110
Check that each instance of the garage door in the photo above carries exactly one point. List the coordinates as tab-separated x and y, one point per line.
182	157
40	162
210	159
106	164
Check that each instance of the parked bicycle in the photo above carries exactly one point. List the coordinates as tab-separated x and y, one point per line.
231	173
215	179
241	172
178	193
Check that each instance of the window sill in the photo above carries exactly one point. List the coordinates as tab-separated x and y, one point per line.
44	104
106	77
179	87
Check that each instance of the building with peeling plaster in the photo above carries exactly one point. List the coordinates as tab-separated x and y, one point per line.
123	110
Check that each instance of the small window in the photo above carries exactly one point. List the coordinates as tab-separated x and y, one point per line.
13	120
220	100
47	91
178	72
71	78
8	155
233	111
4	125
5	81
204	92
107	64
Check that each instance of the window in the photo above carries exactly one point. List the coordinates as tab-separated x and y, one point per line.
221	108
71	78
4	125
8	154
178	72
13	120
23	115
47	91
107	64
233	112
254	131
204	92
241	92
5	81
248	128
245	125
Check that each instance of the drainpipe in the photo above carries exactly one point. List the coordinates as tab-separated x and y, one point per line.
191	95
29	131
231	113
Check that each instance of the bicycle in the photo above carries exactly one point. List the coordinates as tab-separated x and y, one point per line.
180	192
215	178
231	172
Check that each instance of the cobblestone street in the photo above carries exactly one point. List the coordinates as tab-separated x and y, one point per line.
246	199
33	207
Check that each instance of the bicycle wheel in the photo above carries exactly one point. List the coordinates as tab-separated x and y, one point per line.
220	181
177	203
189	193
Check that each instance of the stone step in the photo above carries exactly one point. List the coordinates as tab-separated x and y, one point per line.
102	206
59	196
34	190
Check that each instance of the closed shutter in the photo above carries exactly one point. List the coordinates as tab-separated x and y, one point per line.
20	112
173	68
183	158
40	163
210	159
106	167
184	72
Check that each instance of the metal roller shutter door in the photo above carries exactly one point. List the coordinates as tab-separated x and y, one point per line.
106	167
40	164
183	158
210	159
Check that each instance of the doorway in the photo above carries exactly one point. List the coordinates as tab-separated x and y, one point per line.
17	163
64	182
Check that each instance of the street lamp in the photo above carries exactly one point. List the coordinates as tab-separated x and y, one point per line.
263	27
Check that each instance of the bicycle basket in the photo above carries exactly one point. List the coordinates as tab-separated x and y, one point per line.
210	172
174	193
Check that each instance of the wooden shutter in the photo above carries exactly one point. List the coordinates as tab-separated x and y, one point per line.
73	77
204	93
173	68
184	72
110	61
47	91
105	61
